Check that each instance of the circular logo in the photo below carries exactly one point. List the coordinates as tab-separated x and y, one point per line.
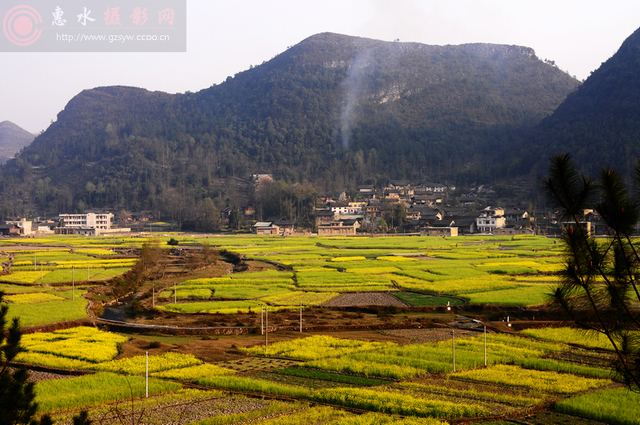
20	25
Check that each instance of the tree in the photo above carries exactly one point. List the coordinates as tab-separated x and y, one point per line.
396	215
209	216
90	188
235	220
399	214
123	218
17	396
600	278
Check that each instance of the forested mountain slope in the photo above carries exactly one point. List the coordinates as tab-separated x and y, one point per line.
599	124
333	110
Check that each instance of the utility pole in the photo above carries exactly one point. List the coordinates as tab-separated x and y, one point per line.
485	345
266	328
453	348
146	373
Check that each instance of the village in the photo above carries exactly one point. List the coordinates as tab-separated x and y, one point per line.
400	207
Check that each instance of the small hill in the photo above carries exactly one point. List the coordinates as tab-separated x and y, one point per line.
12	139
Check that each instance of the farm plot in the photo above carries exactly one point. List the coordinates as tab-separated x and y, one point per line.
495	399
364	300
33	298
373	400
293	380
92	349
487	289
318	379
415	299
222	307
137	365
306	298
415	360
65	265
572	367
81	343
23	289
179	407
332	280
332	416
219	410
230	291
618	406
65	273
487	392
572	336
193	373
469	253
90	390
186	293
250	365
380	400
265	274
315	347
544	381
232	287
391	361
51	311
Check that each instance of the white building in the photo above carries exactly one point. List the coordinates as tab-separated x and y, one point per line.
23	224
487	223
351	208
88	220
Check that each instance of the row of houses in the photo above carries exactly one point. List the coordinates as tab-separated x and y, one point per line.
86	224
429	220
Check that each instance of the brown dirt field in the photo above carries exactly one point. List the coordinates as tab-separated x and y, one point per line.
224	348
421	336
553	418
211	351
365	299
258	266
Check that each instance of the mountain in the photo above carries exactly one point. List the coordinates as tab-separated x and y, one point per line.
12	139
333	110
599	124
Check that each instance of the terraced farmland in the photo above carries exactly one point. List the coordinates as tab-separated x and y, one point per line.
377	344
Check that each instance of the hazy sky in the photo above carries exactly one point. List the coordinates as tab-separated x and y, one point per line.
227	36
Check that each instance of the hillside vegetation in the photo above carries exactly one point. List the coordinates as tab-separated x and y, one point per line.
333	110
599	124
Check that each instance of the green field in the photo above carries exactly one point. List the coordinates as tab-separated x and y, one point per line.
415	380
502	271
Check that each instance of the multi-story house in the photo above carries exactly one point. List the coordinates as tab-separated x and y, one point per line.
88	220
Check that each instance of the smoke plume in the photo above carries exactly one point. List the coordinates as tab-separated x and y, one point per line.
354	87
